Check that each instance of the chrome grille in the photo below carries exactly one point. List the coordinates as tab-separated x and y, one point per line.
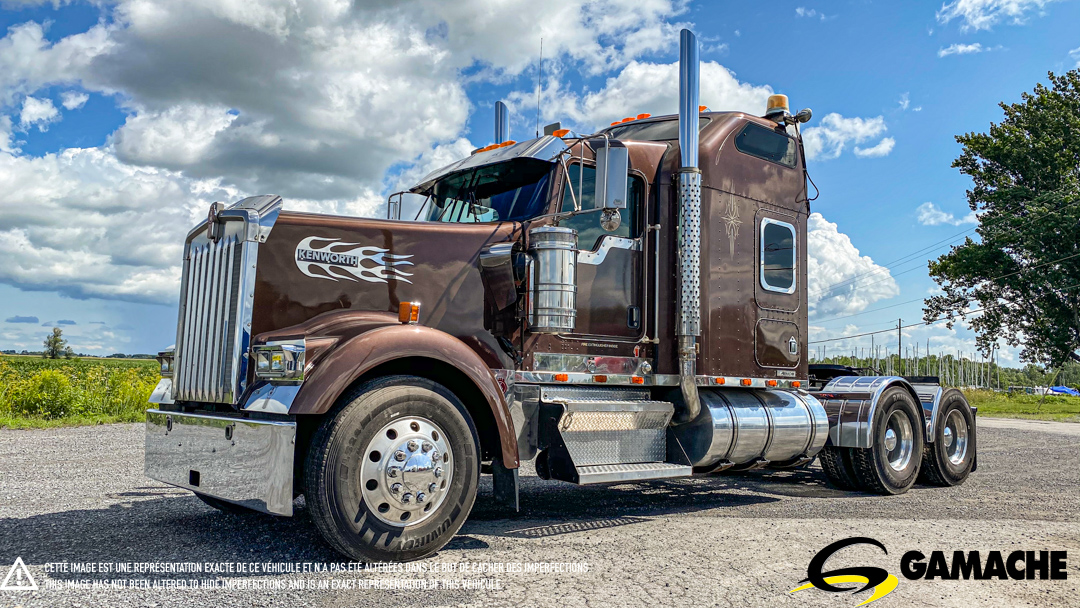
208	348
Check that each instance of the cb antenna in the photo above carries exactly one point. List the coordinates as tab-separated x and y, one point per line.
539	83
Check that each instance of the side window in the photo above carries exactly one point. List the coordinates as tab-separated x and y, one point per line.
758	141
777	256
588	224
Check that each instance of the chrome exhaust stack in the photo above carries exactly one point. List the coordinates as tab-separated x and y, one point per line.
689	326
502	122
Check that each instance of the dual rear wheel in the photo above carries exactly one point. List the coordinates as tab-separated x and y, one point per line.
899	456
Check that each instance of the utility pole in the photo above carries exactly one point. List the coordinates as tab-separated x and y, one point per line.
899	341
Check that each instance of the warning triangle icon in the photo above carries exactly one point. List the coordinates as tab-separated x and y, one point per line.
19	578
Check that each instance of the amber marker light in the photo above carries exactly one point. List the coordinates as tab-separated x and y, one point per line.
643	116
720	380
795	384
637	380
560	132
599	378
747	381
562	377
409	312
771	382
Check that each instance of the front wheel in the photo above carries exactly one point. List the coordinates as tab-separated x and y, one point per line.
393	475
892	464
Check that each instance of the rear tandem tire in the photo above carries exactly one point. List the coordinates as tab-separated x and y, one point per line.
409	424
892	465
948	460
836	462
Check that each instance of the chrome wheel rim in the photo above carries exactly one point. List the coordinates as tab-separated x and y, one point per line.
955	437
406	471
899	441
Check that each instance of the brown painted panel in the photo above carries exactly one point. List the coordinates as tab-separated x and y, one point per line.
772	343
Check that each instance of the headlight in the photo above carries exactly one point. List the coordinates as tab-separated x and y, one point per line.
165	363
282	360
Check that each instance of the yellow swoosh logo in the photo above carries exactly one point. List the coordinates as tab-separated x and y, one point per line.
880	591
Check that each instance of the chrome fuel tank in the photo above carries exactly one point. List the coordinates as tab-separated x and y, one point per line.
740	426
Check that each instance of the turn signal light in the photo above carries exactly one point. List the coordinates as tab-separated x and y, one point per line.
409	312
562	377
796	384
771	382
747	381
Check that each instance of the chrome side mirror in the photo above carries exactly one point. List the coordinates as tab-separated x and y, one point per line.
612	167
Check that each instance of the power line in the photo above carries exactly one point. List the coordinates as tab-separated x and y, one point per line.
905	259
938	320
1004	276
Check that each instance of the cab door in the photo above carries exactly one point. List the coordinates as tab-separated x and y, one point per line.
609	264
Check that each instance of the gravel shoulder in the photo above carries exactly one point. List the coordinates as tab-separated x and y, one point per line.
78	495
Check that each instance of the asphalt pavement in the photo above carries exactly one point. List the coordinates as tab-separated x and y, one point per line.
76	508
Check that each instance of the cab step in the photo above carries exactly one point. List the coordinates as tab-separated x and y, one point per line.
602	436
607	473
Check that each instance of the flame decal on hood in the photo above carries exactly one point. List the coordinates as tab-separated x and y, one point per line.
337	261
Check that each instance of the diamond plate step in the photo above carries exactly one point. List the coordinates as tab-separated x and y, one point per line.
607	473
605	431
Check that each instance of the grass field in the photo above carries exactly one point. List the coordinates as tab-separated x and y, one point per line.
1000	405
36	393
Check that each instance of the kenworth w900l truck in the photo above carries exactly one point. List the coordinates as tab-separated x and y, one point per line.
623	306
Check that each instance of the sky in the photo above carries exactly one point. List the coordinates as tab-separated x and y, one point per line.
121	121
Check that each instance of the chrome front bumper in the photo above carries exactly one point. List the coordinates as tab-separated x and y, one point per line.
247	462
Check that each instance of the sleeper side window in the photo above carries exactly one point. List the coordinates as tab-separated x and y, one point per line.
777	256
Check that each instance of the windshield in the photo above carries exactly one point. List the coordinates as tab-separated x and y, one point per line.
512	191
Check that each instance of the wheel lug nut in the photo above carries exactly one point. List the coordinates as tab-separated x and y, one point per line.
400	456
420	497
412	445
431	488
392	472
435	455
427	447
437	472
406	498
396	488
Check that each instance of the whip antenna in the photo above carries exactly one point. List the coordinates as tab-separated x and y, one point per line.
539	81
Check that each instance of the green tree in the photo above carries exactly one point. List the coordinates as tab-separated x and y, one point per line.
55	345
1024	271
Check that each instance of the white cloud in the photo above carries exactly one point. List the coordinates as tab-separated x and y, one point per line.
642	87
38	111
905	101
841	280
882	148
961	49
326	102
1075	54
809	13
73	100
930	215
984	14
828	139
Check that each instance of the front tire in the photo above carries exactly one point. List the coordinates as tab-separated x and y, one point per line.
892	465
948	461
393	474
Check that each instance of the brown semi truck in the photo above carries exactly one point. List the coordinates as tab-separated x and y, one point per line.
623	306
